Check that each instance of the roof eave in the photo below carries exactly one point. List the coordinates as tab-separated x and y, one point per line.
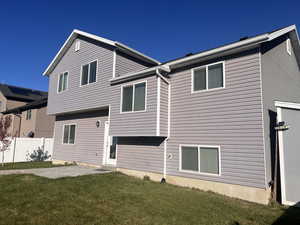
118	45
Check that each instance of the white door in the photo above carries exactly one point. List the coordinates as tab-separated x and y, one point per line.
110	149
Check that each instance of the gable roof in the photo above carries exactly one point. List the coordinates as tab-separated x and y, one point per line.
21	94
32	105
117	45
225	49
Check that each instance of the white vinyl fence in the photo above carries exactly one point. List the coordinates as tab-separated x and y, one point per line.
21	149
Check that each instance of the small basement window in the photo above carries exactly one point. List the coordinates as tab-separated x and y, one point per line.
208	77
200	159
69	134
289	46
77	46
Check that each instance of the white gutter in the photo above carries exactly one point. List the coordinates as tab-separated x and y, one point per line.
169	120
246	42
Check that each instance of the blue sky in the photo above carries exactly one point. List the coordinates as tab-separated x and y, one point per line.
33	31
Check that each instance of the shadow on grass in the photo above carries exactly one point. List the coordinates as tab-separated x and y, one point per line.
290	216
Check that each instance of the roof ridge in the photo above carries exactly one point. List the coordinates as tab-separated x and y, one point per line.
9	85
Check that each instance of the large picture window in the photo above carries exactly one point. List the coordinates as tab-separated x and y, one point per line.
208	77
200	159
63	82
89	73
69	134
134	97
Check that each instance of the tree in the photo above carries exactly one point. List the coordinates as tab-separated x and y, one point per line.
5	136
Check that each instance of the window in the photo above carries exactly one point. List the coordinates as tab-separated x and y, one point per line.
63	82
200	159
208	77
77	46
288	46
0	106
134	97
89	73
69	134
28	114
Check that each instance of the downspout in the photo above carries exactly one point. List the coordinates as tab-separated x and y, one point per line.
163	180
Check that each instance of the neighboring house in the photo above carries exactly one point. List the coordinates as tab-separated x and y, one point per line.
12	97
205	120
34	119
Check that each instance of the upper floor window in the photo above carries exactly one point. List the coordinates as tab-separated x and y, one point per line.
288	46
63	82
1	106
208	77
88	73
69	134
134	97
28	114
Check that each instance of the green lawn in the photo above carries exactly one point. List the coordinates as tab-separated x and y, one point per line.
26	165
118	199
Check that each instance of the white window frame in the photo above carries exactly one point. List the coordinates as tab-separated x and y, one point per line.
206	69
133	84
199	172
67	86
77	46
69	124
289	46
89	63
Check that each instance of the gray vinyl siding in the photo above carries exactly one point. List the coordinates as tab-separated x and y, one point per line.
163	108
280	81
143	154
126	64
229	117
76	97
88	147
134	123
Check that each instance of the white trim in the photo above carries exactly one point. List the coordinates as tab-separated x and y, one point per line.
75	33
114	63
206	73
133	84
199	147
57	89
290	105
69	124
289	46
105	142
262	116
89	68
169	110
158	107
281	157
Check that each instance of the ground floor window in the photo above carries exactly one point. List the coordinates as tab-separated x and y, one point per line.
200	159
69	134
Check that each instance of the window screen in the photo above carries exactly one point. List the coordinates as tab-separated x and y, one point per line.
215	76
93	68
189	158
200	79
127	98
139	97
85	74
209	160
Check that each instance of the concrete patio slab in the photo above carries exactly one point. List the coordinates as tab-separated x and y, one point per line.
58	172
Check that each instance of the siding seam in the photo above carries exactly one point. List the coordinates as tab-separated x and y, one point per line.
262	116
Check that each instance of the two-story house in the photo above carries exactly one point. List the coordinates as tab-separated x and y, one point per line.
205	120
34	121
12	97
